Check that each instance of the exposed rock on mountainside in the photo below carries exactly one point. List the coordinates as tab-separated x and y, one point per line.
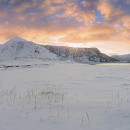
81	55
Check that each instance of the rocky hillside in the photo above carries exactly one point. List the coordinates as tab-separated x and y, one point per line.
82	55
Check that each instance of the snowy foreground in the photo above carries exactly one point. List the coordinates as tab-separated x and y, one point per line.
65	97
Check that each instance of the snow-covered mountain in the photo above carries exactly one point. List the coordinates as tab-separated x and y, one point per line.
82	55
18	48
122	58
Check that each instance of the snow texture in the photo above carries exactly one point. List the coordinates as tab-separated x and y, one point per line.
60	96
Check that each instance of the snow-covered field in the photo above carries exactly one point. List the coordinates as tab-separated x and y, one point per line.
64	96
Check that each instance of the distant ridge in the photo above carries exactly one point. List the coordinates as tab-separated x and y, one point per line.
122	58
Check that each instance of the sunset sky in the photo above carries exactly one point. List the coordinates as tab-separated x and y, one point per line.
104	24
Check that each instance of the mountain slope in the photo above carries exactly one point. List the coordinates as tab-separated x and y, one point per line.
18	48
123	58
82	55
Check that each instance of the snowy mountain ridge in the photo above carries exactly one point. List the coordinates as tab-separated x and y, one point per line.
123	58
18	48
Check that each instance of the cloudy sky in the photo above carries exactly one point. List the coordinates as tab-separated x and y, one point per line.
104	24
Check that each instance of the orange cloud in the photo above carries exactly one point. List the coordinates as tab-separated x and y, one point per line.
104	34
73	11
62	22
105	37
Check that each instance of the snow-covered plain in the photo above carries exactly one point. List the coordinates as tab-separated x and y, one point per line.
65	96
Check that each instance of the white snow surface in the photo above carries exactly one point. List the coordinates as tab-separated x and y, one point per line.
65	96
18	48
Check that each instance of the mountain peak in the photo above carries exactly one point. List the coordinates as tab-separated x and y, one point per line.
18	48
15	40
